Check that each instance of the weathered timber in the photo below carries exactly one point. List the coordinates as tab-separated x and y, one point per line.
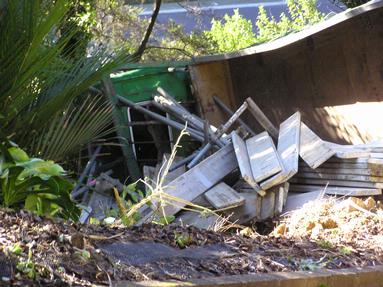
288	149
223	196
313	150
242	155
226	109
351	177
268	205
337	190
199	179
218	134
334	182
261	118
264	159
348	151
187	218
250	210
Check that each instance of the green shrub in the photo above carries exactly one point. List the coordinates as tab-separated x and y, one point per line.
36	184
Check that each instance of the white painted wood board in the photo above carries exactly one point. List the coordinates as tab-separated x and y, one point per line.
202	177
243	159
250	210
223	196
350	177
268	205
288	149
264	159
334	182
336	190
313	150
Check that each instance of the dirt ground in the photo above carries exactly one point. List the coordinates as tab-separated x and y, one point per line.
328	234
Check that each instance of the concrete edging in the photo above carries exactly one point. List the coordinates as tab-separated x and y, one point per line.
351	277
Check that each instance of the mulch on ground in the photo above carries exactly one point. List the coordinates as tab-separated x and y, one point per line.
51	252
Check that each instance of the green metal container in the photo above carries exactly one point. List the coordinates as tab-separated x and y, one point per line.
140	84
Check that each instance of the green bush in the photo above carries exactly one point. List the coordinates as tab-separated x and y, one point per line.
36	184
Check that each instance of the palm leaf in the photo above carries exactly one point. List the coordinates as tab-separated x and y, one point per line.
74	127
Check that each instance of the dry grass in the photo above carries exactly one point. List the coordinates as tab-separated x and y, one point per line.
350	223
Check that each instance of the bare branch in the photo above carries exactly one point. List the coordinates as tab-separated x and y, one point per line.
138	54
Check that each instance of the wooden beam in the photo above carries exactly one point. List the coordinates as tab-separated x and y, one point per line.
242	155
261	118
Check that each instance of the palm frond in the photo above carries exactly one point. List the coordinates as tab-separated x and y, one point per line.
74	127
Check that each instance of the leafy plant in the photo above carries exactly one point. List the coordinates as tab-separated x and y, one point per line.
40	185
27	266
182	239
41	77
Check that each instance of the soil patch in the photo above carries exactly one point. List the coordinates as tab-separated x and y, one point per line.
35	250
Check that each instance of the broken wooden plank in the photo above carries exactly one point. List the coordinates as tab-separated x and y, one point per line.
261	118
268	205
313	150
223	196
243	159
352	177
288	149
264	159
279	199
334	182
201	177
348	151
337	190
250	210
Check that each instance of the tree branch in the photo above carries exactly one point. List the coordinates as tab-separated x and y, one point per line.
138	54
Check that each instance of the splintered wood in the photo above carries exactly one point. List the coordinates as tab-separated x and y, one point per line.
264	159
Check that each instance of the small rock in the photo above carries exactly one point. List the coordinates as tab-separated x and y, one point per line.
370	203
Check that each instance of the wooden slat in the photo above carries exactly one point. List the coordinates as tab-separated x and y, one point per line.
334	182
268	205
313	150
288	149
250	210
337	190
243	159
223	196
354	171
279	198
264	159
261	118
351	177
348	151
201	177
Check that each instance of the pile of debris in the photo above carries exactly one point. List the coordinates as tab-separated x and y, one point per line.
246	176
